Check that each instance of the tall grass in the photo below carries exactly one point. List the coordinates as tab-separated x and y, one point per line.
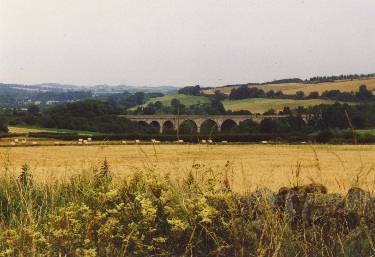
148	214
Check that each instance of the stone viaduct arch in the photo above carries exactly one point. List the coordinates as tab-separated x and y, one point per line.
164	121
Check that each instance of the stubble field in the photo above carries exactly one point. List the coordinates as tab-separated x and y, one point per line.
247	166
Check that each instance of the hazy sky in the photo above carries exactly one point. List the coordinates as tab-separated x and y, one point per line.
183	42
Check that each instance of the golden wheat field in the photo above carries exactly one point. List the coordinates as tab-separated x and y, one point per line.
292	88
247	166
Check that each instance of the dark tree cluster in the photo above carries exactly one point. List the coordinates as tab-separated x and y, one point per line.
194	90
127	100
3	126
336	115
89	115
219	96
214	107
245	92
285	125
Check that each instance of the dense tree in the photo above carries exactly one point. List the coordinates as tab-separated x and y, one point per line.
244	92
139	98
313	95
196	90
247	126
364	94
216	107
127	100
219	96
286	111
33	109
268	125
270	112
279	94
299	95
88	115
175	103
270	94
3	126
239	112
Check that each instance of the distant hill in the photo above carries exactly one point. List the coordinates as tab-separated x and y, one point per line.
19	95
108	89
97	89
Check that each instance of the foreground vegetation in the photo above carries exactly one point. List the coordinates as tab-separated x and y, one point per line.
148	214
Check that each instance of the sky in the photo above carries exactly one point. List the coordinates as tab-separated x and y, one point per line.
182	43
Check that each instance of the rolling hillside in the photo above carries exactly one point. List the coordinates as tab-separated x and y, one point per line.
260	105
184	99
255	105
292	88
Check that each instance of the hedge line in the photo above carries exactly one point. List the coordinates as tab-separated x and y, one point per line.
344	138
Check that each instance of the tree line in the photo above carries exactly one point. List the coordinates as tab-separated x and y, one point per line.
324	121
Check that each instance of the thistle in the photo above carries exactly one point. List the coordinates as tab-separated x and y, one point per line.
25	177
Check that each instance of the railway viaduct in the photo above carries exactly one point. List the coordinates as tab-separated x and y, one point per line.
174	121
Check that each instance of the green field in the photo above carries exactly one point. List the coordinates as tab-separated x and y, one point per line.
184	99
260	105
255	105
366	132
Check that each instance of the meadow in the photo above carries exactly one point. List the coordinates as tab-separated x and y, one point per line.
255	105
184	99
260	105
251	166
